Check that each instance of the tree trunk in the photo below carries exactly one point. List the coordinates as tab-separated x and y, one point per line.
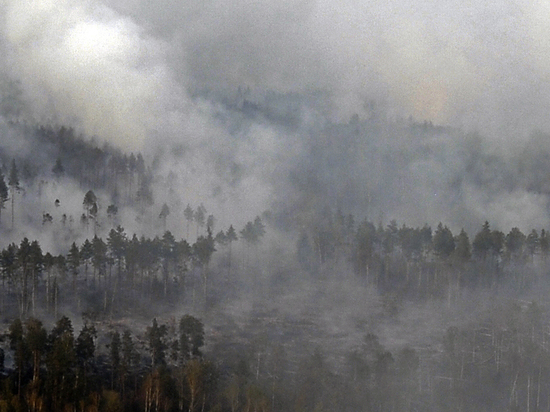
12	208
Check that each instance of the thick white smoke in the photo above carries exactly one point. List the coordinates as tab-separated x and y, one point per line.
136	74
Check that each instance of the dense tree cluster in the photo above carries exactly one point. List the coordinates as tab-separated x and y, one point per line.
59	370
502	362
119	267
499	362
419	261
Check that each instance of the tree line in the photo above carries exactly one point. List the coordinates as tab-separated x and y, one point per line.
119	267
418	260
500	362
160	369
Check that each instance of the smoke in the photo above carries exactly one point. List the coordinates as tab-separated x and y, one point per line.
165	80
81	64
118	68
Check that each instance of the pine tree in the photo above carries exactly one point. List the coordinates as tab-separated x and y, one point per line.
463	251
532	242
191	337
85	345
514	242
4	195
90	206
73	261
130	358
189	216
23	260
199	217
13	182
210	221
114	353
203	250
112	211
168	257
155	336
19	348
117	243
544	243
84	352
164	212
36	338
230	236
443	242
482	241
60	363
86	254
36	261
99	258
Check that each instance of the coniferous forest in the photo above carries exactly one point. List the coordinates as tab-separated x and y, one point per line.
327	311
274	206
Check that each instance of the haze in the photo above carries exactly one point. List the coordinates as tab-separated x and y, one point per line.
158	79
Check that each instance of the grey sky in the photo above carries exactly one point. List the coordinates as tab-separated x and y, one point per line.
118	66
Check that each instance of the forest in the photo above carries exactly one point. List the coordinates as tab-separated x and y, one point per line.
331	314
274	206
